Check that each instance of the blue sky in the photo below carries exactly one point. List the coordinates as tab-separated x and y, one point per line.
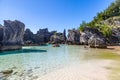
53	14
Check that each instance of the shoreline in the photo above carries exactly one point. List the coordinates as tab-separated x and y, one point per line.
84	71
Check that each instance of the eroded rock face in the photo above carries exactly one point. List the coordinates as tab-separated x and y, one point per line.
29	37
57	38
73	37
41	37
115	35
11	36
96	41
44	34
87	33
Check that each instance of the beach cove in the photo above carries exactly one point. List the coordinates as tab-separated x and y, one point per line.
67	62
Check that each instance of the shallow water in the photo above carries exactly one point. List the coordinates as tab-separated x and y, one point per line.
45	59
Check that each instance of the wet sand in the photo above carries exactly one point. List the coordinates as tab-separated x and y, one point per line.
114	48
92	70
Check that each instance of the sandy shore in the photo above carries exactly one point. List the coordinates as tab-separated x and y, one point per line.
114	48
86	71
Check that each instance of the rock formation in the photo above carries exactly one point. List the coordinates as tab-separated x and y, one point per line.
58	38
41	37
11	35
96	41
73	37
45	34
87	33
28	37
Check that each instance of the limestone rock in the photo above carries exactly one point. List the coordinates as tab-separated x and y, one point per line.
11	35
96	41
73	37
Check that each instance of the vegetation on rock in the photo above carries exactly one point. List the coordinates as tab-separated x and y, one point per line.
112	11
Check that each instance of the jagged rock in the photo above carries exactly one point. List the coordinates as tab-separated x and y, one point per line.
28	37
73	37
45	34
116	35
64	34
57	38
84	38
96	41
41	37
11	36
87	33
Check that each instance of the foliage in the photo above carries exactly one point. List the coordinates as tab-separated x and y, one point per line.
112	11
82	26
106	30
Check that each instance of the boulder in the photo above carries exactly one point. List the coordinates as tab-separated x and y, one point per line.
96	41
73	37
11	36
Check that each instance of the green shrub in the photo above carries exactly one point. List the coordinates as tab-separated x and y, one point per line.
106	30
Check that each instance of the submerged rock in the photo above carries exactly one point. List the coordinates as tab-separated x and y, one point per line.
6	72
56	45
11	35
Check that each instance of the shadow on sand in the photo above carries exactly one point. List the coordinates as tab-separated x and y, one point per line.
22	51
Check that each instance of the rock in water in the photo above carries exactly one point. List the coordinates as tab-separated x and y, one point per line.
56	45
11	36
6	72
96	41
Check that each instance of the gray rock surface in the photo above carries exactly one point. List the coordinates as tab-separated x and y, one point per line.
73	37
57	38
41	37
96	41
87	33
11	35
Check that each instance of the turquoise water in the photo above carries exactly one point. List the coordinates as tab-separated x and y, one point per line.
44	59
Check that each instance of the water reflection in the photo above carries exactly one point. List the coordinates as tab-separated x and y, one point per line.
22	51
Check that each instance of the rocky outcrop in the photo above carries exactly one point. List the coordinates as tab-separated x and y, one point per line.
90	36
28	37
41	37
11	35
45	34
87	33
114	23
73	37
96	41
115	38
57	38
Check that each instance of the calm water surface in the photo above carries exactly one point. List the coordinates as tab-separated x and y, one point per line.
44	59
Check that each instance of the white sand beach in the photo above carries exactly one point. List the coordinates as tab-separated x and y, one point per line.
86	71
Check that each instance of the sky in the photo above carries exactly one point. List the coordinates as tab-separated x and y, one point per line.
52	14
